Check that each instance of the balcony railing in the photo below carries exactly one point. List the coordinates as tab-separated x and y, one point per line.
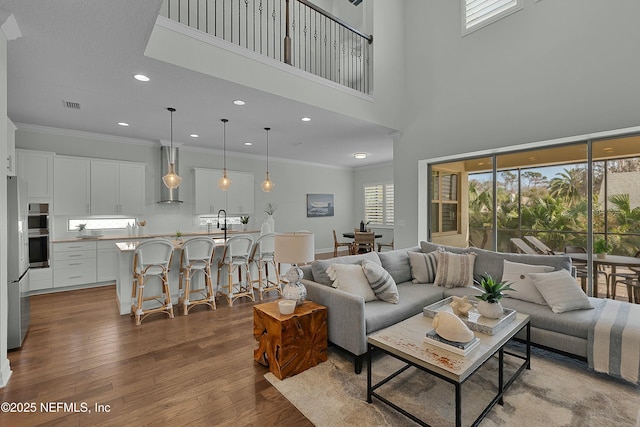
295	32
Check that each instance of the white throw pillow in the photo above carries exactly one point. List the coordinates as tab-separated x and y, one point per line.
517	275
350	278
423	266
380	281
560	290
454	270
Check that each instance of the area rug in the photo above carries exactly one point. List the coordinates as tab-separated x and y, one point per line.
557	391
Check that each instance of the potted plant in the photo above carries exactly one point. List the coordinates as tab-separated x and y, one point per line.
244	220
601	247
489	305
81	228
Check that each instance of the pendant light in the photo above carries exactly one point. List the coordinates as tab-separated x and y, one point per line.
171	179
267	184
224	182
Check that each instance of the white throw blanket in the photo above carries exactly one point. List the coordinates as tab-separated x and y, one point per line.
614	341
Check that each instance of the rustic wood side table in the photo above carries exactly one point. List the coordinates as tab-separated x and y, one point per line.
290	343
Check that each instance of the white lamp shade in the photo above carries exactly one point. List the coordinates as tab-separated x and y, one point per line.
294	248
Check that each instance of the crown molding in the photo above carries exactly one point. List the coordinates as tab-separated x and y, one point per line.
83	134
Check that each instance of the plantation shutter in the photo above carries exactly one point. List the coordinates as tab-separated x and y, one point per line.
378	204
479	12
374	204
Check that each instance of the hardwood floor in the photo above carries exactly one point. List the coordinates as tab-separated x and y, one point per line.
195	370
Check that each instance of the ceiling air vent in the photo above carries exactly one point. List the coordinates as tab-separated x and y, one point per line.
73	105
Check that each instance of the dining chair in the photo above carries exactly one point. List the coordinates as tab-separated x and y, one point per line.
151	260
385	245
581	267
195	259
262	256
235	259
625	278
337	244
363	241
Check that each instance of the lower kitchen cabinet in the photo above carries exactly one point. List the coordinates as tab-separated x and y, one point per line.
40	279
107	261
74	263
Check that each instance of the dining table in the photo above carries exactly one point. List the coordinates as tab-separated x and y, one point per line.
352	235
612	261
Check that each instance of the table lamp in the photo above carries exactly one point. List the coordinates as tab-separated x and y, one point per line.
294	248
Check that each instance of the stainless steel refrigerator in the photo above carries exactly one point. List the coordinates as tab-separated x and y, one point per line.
17	263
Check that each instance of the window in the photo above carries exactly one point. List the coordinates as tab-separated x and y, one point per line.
479	13
378	204
101	224
445	206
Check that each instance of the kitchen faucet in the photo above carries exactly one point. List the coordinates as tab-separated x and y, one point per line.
225	223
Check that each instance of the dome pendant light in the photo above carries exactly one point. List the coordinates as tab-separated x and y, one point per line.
224	182
267	184
172	179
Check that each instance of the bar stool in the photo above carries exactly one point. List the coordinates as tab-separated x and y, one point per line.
151	259
262	257
235	258
196	258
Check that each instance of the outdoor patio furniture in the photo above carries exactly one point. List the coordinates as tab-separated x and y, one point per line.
540	245
522	247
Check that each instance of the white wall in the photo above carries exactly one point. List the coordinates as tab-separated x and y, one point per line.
551	70
293	181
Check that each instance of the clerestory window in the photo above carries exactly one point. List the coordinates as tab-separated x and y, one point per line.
479	13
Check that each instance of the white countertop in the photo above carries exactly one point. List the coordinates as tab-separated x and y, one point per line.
177	244
150	236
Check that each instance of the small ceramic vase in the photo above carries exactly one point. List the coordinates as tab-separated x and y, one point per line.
490	310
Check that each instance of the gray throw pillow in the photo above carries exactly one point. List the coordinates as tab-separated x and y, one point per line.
381	282
319	267
423	266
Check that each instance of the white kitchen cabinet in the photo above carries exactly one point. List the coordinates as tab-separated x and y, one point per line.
209	199
72	177
36	168
74	263
107	258
117	187
11	148
240	194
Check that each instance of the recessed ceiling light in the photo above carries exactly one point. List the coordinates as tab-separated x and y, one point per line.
248	143
194	135
480	163
607	149
306	119
239	102
141	77
123	124
360	155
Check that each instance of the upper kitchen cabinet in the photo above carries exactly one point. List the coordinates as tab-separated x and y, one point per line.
117	187
72	177
36	168
11	148
240	194
209	199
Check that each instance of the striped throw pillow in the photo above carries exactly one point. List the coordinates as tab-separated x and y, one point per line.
423	266
454	270
381	282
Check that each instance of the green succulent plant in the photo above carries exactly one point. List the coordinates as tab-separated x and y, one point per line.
493	289
601	246
244	219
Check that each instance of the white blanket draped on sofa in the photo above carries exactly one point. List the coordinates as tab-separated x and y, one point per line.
614	341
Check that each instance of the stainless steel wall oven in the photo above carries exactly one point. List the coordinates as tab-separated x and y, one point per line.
38	232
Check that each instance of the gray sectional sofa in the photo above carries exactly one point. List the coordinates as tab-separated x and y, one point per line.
350	319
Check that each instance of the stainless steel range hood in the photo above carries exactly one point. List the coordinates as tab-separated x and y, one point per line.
168	196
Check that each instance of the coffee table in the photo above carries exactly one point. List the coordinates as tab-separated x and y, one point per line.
405	341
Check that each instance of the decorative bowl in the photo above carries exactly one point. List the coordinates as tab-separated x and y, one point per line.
287	306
